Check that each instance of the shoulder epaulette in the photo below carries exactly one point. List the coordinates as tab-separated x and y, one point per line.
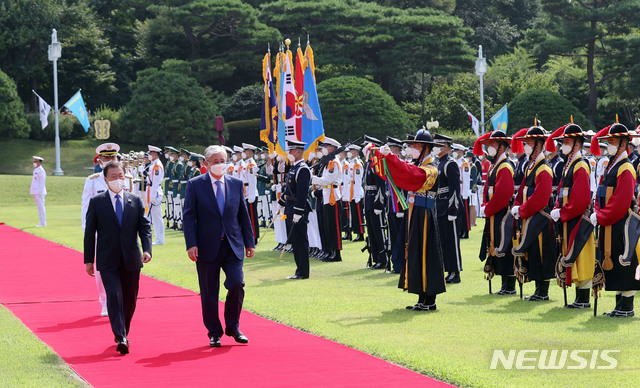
94	176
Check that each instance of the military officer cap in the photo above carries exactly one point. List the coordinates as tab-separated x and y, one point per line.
195	157
330	141
296	145
184	151
392	141
38	158
246	146
146	155
108	149
229	150
154	148
170	149
354	147
237	149
442	139
468	154
370	139
458	147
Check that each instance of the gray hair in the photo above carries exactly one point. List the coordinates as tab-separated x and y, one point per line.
215	149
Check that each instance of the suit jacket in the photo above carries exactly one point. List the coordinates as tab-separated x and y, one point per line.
203	225
116	243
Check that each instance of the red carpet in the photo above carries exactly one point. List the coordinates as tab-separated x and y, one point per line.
45	286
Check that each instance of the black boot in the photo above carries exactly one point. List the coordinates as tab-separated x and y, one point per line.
503	288
511	286
454	277
542	292
625	309
428	303
358	238
582	299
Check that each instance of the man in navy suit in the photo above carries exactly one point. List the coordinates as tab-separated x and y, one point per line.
218	233
118	218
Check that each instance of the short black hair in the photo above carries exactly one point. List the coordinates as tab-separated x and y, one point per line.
110	165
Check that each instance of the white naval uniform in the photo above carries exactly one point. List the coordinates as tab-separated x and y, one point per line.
250	180
39	191
330	181
153	198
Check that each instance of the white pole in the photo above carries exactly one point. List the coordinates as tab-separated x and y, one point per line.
54	54
481	91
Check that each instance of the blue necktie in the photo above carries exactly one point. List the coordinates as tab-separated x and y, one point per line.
220	197
119	208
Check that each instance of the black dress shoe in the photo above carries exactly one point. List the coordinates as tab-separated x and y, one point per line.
298	277
237	335
359	238
377	266
214	341
123	346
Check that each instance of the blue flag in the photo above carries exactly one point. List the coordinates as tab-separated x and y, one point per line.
312	128
76	106
500	120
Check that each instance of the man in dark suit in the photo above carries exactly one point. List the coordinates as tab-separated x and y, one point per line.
218	233
118	218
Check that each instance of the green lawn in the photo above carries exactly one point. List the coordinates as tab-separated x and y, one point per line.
364	309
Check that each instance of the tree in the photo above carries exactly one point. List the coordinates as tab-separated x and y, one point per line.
169	107
551	109
12	120
352	106
603	32
244	104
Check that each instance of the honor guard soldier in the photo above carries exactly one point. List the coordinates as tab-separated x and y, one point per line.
193	166
264	190
238	162
345	215
153	195
93	185
171	154
39	190
395	219
423	269
329	177
356	193
463	222
179	186
250	179
374	202
578	249
618	225
534	198
295	206
497	196
448	203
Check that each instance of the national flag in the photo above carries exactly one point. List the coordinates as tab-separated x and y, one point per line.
475	124
77	107
500	120
286	105
299	82
268	123
312	130
44	110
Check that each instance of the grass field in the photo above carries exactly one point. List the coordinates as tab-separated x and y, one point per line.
357	307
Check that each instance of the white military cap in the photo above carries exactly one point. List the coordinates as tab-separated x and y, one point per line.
330	141
246	146
458	147
237	149
108	149
38	158
154	148
229	150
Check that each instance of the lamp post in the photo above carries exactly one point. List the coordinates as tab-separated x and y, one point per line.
481	70
55	52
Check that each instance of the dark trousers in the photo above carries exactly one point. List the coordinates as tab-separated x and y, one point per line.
332	226
377	243
299	240
209	281
121	287
357	217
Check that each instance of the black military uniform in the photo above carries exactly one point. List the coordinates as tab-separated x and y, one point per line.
374	201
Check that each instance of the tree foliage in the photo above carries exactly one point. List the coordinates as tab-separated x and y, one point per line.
12	120
353	106
244	104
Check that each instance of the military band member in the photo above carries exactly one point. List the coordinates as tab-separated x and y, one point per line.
574	198
423	270
356	193
153	195
448	204
613	202
171	154
344	193
93	185
374	204
498	192
296	208
249	177
534	196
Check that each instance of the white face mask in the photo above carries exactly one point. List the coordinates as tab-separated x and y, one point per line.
166	155
312	155
635	141
492	151
262	157
436	151
218	169
612	149
234	157
243	155
116	185
528	149
325	152
35	165
403	153
190	163
566	148
415	153
181	158
291	158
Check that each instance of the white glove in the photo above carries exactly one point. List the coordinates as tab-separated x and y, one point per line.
367	149
452	218
594	219
385	150
515	212
296	218
281	167
555	214
315	180
377	212
482	211
250	201
280	210
638	272
399	215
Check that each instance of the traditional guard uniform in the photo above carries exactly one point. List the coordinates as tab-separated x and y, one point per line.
448	204
578	249
463	222
618	224
356	193
395	218
171	154
39	190
296	209
250	180
329	178
474	183
497	196
374	203
535	256
423	269
95	184
153	195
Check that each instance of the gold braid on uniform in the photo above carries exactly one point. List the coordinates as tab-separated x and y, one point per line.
431	173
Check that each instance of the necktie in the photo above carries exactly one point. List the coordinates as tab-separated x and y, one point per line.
119	208
220	197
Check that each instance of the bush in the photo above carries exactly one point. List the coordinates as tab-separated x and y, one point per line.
168	107
353	106
244	131
552	110
68	127
12	119
244	104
